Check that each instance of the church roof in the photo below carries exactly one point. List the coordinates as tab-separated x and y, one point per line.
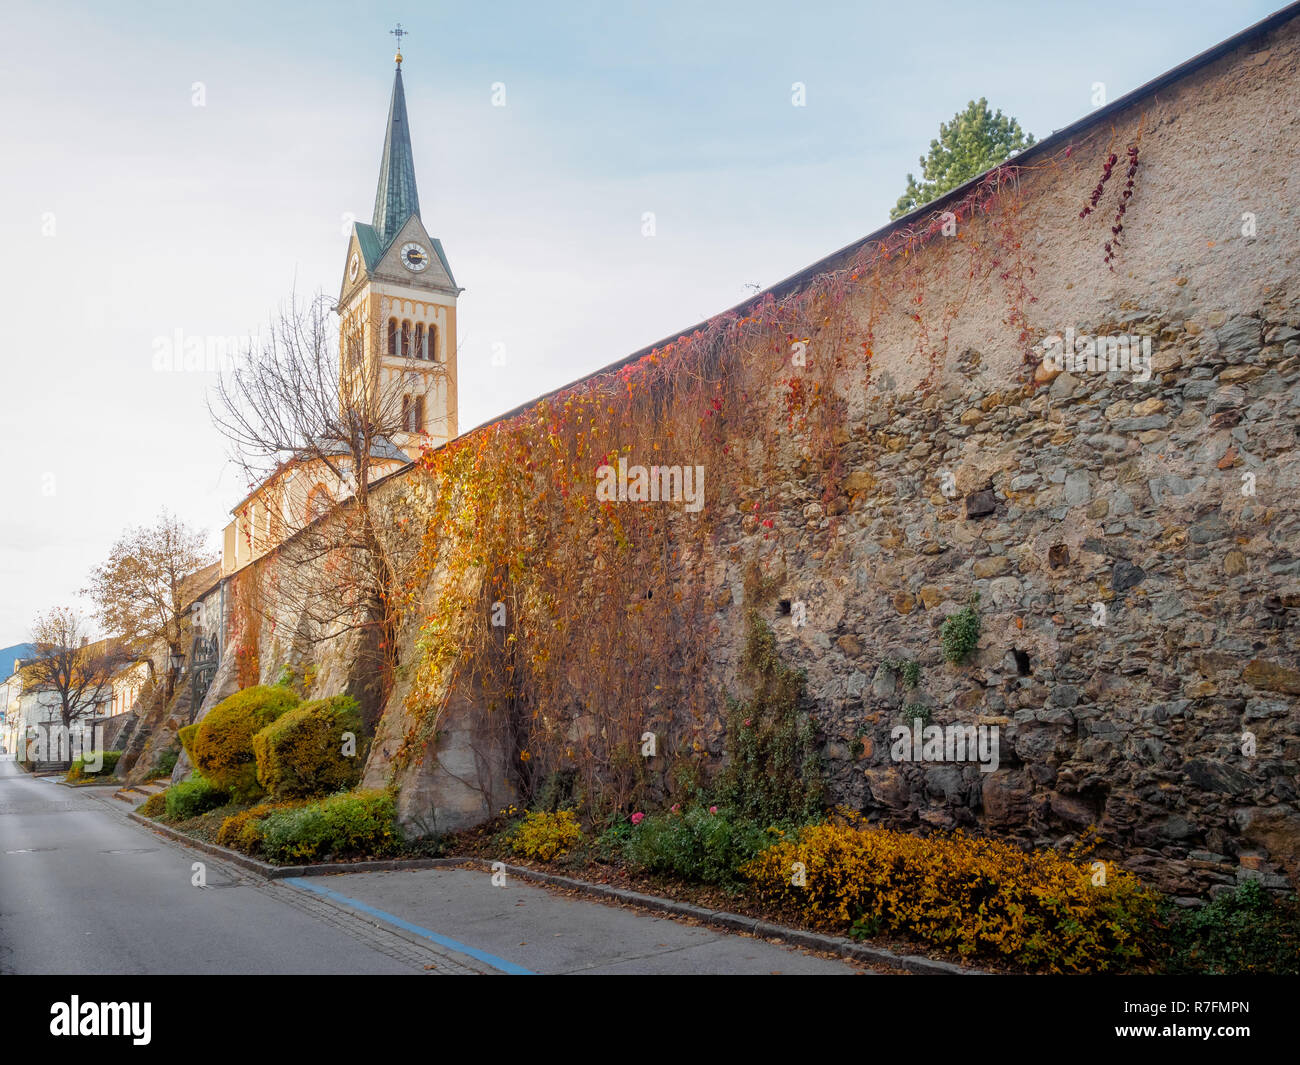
372	248
396	198
380	448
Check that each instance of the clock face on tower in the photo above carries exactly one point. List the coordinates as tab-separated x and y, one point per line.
354	264
414	257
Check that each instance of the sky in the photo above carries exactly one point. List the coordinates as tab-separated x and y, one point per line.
186	168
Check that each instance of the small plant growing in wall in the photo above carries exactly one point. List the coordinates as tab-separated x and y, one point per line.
960	633
907	668
913	711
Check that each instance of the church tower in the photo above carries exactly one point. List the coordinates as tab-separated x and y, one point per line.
397	305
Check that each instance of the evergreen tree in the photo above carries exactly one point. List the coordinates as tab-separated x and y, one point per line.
975	140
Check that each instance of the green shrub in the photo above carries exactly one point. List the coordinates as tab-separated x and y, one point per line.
545	835
165	763
300	754
193	797
78	770
960	632
155	806
907	668
696	845
223	747
244	831
610	844
1243	931
358	823
912	711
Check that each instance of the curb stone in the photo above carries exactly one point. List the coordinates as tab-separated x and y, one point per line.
847	948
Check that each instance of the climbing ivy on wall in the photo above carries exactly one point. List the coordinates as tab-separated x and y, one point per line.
605	611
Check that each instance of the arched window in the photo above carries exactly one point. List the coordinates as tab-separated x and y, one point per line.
433	342
406	339
355	338
392	336
420	351
419	415
319	501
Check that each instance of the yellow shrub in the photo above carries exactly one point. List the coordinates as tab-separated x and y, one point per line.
186	735
974	896
154	806
300	754
242	833
223	744
545	836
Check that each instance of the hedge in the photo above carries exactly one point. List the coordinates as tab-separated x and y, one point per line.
78	770
193	797
223	747
155	806
302	753
186	736
351	824
975	896
244	831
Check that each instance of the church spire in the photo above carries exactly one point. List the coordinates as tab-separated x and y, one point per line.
396	198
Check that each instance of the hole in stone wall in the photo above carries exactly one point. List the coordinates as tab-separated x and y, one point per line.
1022	661
785	606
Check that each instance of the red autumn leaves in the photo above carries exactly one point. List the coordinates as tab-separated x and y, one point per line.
1117	224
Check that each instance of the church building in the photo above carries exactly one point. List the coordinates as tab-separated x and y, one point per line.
397	350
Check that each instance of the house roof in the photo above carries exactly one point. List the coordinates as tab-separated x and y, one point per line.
381	448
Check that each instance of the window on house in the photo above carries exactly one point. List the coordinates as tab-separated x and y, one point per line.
406	413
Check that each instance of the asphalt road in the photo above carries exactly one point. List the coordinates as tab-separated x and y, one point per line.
85	890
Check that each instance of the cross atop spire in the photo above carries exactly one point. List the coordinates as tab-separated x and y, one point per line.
399	33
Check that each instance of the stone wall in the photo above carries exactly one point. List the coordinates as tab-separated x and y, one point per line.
1135	544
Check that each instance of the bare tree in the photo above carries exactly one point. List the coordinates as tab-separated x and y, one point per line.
64	663
311	431
142	591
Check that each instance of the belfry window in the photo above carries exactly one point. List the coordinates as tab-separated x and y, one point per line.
421	352
392	336
413	413
406	339
433	343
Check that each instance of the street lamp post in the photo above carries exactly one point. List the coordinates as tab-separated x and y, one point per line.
177	663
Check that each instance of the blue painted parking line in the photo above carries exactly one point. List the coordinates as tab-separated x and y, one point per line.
489	959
